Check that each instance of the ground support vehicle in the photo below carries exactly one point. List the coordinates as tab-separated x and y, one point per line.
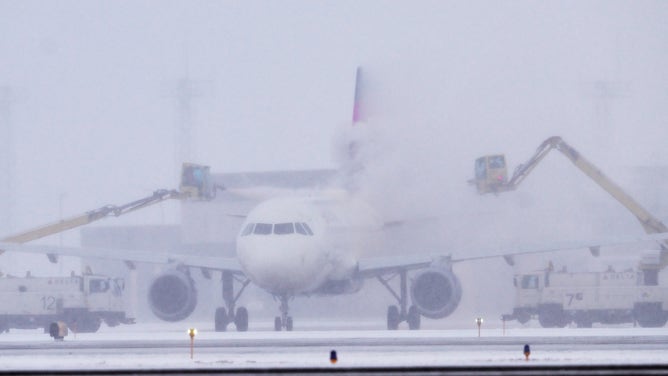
558	298
610	297
82	302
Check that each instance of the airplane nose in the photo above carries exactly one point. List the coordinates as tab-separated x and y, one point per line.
283	264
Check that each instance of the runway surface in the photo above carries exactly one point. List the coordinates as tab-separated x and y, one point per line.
166	347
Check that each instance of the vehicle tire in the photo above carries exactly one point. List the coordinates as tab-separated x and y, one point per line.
413	318
393	317
112	323
552	316
650	315
288	324
583	320
278	325
86	324
220	319
523	317
241	319
584	324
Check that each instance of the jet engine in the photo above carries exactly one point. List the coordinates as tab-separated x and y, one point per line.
436	292
172	296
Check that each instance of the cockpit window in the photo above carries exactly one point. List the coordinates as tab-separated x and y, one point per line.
308	229
300	229
262	229
278	229
248	230
283	228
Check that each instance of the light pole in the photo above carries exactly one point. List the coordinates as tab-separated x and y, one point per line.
192	332
479	321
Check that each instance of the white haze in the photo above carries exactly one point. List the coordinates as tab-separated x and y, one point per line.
94	111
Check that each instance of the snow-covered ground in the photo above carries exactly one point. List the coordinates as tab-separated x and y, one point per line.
167	346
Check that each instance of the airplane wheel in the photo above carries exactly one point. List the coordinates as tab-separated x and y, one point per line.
392	317
221	319
241	319
288	324
413	318
277	324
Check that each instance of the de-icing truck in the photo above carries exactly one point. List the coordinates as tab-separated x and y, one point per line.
610	297
81	302
84	302
558	298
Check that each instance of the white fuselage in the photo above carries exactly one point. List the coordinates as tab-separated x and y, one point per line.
295	245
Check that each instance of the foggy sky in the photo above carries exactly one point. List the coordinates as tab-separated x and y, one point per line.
94	112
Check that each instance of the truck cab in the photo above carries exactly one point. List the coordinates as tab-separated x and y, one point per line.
196	182
103	293
491	173
528	293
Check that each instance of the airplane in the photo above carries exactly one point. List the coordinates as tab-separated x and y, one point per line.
291	246
326	242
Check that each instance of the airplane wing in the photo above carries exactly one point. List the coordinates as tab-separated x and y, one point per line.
372	267
593	245
130	256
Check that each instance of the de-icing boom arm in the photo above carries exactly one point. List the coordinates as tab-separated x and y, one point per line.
493	180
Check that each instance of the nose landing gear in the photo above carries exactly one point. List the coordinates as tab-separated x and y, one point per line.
283	321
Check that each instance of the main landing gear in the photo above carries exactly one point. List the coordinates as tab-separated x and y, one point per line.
283	321
225	316
395	315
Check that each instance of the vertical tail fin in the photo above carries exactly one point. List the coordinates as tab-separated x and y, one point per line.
355	139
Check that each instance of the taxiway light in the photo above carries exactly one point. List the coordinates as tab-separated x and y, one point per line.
527	351
332	357
479	321
192	332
